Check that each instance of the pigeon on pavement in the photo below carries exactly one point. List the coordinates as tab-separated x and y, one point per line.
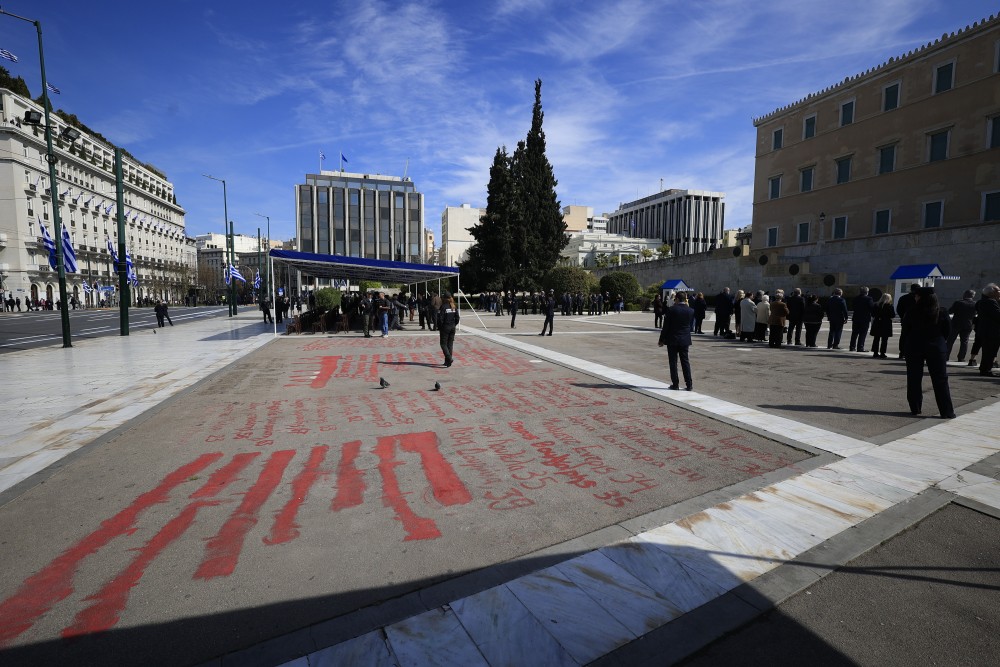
437	386
382	383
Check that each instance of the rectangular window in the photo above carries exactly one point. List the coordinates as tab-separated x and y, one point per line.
991	207
803	233
938	146
840	227
882	220
844	170
887	159
933	214
890	97
772	237
993	132
806	181
809	127
774	187
776	139
944	77
847	113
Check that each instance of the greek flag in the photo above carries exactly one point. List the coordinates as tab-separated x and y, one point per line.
69	257
256	281
133	277
53	89
114	255
225	272
107	211
342	158
7	55
50	245
235	273
87	289
322	155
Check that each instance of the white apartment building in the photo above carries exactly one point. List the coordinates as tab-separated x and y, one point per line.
154	223
690	221
456	239
590	250
241	242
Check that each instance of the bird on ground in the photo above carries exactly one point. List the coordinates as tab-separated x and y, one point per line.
437	386
154	331
382	383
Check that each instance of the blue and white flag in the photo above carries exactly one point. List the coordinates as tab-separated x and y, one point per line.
130	273
114	255
50	245
235	273
53	89
225	272
322	155
342	158
7	55
87	289
69	257
256	281
107	211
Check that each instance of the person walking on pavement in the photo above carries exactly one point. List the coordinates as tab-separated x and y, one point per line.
158	311
963	318
676	335
836	312
447	321
549	310
365	311
927	327
882	316
513	308
988	327
265	307
796	309
902	307
861	320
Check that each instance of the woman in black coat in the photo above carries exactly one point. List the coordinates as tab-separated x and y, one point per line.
927	328
882	316
700	307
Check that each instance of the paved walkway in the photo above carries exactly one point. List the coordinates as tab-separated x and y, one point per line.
593	606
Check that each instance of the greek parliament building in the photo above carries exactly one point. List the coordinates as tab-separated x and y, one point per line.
163	256
690	221
897	165
360	215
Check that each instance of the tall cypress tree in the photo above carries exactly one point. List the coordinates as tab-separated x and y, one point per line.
490	258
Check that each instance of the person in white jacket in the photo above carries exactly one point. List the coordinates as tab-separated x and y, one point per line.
763	316
748	318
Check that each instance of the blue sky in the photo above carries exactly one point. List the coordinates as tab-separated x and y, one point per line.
634	91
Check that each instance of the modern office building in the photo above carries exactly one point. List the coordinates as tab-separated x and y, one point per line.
899	155
360	215
456	239
690	221
86	193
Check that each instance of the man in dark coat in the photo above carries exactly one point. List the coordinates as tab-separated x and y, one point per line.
988	327
904	304
549	310
676	335
723	312
836	313
796	310
963	318
861	320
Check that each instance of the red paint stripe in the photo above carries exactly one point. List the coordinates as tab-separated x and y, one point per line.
416	527
327	367
285	529
54	582
448	488
223	551
350	481
110	601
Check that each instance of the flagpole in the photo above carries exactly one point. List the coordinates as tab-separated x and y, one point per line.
51	158
125	298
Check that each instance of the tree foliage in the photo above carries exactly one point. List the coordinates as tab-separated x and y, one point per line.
570	279
327	298
521	235
622	283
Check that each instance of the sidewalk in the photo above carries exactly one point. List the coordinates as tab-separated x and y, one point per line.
653	588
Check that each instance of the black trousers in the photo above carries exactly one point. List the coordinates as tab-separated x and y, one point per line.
990	348
812	330
447	339
675	352
879	343
721	324
935	355
963	347
859	333
776	335
797	328
547	324
836	331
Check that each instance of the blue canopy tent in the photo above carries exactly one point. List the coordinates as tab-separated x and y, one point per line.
921	274
672	286
340	267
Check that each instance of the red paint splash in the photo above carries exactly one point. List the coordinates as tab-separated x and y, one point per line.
448	488
110	601
327	367
223	551
285	529
350	480
54	582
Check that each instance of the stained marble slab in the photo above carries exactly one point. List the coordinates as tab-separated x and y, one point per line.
435	637
819	525
988	494
963	479
506	633
890	493
854	469
725	568
580	625
866	504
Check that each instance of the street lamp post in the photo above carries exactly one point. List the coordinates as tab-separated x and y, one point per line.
267	280
225	229
51	158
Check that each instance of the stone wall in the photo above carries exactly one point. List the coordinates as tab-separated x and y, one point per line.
971	252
